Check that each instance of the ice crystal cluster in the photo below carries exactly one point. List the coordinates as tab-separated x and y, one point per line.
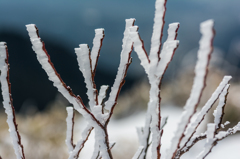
100	111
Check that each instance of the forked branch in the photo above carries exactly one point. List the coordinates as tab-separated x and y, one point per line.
155	66
204	54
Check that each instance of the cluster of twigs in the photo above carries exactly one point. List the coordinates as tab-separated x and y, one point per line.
100	112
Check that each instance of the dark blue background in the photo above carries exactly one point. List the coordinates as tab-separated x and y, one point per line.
63	25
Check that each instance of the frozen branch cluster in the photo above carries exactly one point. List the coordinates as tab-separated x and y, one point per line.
100	112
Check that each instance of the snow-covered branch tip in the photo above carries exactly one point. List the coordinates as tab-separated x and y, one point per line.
155	65
7	102
204	54
70	128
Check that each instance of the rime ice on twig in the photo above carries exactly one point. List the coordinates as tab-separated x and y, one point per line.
200	116
160	9
102	93
209	142
7	102
222	134
87	64
44	60
204	53
70	126
84	62
155	73
138	153
80	144
97	44
219	111
110	147
122	69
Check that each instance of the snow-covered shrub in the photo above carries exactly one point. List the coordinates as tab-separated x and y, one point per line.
155	64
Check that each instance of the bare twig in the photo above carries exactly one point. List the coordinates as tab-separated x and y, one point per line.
8	102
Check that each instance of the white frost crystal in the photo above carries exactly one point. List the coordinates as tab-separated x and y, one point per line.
7	101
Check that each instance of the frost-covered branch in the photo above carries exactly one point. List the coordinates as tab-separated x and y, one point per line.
125	61
70	128
84	62
138	153
190	144
160	9
189	140
87	64
223	86
102	93
97	44
209	142
44	59
219	111
8	102
155	70
204	54
80	144
110	147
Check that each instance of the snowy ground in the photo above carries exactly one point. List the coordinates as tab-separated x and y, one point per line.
124	133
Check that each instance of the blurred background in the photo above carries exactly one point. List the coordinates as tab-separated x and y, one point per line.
63	25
